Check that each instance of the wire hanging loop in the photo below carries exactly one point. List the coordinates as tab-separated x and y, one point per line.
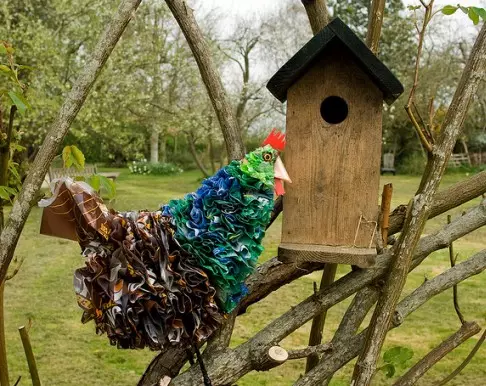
364	221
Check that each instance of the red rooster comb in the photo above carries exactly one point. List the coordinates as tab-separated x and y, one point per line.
276	139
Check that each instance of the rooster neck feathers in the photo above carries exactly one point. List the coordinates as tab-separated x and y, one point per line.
224	221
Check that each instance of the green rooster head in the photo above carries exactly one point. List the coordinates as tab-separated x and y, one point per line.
265	165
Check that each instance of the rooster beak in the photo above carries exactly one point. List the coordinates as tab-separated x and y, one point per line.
280	171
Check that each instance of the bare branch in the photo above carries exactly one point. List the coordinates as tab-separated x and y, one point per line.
466	361
317	13
232	364
385	212
315	336
354	316
410	378
58	130
420	131
419	210
273	274
452	260
311	350
29	354
351	347
375	22
227	120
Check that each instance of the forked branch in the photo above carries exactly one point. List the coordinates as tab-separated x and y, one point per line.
419	211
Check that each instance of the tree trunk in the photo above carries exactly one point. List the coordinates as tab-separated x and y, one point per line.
154	147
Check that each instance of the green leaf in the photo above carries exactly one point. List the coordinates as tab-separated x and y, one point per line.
473	15
449	10
3	49
109	186
4	68
72	156
413	7
67	158
78	157
389	370
481	12
19	101
398	355
463	9
6	192
94	181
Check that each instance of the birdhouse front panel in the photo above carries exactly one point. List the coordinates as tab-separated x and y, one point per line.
334	134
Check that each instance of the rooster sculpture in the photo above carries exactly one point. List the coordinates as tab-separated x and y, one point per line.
168	277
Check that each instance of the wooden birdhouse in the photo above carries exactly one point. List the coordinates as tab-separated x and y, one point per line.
334	88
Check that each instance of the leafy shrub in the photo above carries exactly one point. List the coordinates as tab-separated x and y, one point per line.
413	164
160	169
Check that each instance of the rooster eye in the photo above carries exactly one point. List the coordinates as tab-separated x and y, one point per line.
267	157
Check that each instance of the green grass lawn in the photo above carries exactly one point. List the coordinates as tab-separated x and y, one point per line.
69	353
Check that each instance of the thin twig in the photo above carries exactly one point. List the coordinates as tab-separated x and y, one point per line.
453	260
466	361
411	377
420	131
385	212
29	354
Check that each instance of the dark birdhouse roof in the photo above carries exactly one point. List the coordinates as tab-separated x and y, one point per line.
335	32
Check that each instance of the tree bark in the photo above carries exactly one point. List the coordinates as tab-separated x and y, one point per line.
231	364
411	377
375	22
419	211
351	347
154	147
317	13
226	117
58	130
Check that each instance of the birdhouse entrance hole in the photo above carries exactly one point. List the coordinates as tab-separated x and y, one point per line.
334	109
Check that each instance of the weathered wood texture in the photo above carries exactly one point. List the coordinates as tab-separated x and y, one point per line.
419	210
273	274
58	130
210	76
317	14
335	167
228	366
350	348
410	378
317	327
362	257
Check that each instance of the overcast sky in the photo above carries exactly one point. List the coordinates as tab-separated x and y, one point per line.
234	9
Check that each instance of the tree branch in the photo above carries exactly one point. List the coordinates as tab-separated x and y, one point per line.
227	120
419	210
273	274
410	378
466	361
351	347
317	327
58	130
317	13
375	22
232	364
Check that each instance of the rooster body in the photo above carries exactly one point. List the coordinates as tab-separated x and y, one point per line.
153	278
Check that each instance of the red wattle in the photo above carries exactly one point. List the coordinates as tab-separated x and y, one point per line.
279	188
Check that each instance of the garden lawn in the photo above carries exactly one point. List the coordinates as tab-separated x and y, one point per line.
70	353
